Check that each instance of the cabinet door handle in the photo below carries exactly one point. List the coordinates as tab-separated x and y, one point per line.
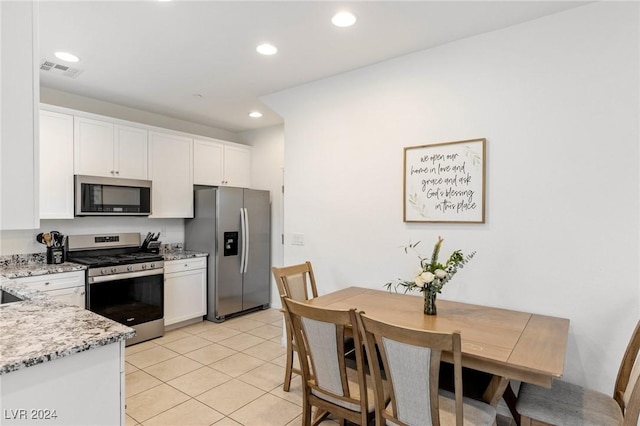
47	283
117	172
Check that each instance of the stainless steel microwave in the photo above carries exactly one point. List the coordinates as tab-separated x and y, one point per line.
103	196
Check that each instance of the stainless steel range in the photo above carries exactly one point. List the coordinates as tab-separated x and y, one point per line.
123	283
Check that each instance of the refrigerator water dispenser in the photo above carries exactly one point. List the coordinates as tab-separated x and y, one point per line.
230	244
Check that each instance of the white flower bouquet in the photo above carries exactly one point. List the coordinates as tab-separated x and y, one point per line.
432	275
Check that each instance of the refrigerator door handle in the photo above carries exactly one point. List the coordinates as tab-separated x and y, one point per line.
246	240
243	231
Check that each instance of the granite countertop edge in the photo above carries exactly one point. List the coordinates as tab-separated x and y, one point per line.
32	269
185	254
39	329
38	269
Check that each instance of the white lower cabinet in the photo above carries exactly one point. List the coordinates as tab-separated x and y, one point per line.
185	289
85	388
69	296
65	287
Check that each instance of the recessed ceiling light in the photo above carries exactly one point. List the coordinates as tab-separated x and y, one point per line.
255	114
65	56
343	19
267	49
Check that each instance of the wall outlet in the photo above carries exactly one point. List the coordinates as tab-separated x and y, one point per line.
297	239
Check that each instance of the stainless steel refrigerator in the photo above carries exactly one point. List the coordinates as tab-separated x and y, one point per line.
233	225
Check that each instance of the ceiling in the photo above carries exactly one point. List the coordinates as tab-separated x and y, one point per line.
158	56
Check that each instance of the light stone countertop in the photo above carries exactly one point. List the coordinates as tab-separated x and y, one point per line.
13	270
182	254
39	329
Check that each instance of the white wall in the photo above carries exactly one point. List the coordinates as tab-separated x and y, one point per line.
267	173
557	100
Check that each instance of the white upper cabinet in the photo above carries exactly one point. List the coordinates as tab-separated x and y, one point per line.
93	148
220	163
237	165
104	149
171	171
56	165
19	85
130	154
208	162
81	143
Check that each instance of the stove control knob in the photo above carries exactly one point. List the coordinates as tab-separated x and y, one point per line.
144	266
129	268
153	265
114	270
104	271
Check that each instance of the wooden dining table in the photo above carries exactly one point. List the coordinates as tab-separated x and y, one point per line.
509	344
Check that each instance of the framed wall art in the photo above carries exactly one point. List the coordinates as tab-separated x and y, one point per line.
444	182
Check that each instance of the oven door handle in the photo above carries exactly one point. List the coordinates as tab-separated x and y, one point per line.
124	276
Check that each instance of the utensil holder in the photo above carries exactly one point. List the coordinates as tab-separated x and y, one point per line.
55	255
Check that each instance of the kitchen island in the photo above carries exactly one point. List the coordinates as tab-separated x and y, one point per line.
59	364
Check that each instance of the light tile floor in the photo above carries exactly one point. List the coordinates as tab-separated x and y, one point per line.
215	374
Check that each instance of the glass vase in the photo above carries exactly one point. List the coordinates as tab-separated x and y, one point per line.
430	303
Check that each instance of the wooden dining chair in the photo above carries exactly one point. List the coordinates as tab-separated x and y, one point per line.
328	384
411	359
569	404
298	283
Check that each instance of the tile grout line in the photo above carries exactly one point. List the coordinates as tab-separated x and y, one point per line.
194	333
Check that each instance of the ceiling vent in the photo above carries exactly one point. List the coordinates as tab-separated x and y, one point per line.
60	69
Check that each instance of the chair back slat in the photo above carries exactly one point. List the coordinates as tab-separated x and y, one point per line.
323	347
411	361
296	281
297	286
409	371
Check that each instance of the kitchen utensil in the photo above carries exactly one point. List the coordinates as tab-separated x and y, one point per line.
40	239
47	238
146	241
56	238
